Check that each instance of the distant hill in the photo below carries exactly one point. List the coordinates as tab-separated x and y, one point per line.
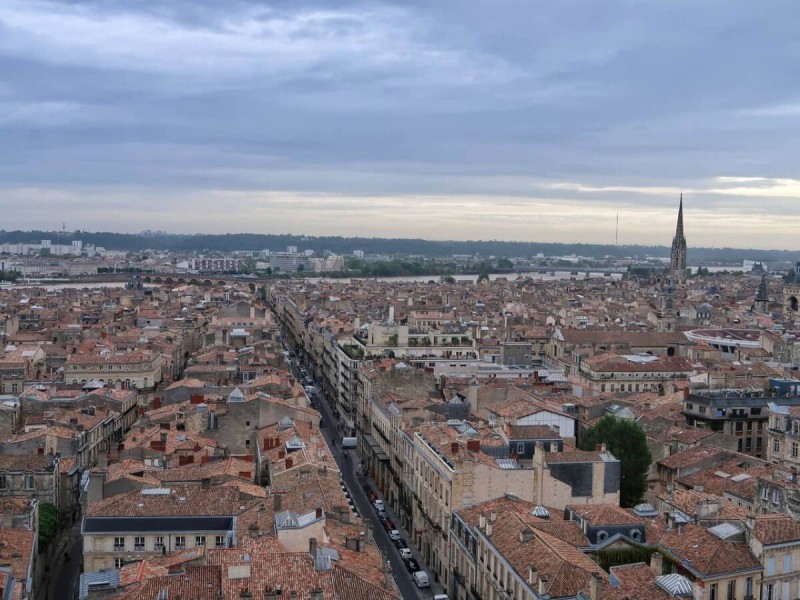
391	246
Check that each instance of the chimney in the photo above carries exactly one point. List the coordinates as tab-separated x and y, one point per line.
657	564
454	447
533	575
595	592
319	513
603	447
96	489
276	502
482	521
312	547
474	445
289	462
156	403
164	438
542	585
206	483
488	528
281	453
525	535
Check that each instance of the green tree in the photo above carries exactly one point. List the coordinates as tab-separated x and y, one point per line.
482	277
447	279
504	263
627	442
48	523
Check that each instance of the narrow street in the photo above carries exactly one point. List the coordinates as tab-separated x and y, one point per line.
348	461
63	578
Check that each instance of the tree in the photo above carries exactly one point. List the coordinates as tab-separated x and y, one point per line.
504	263
627	442
48	523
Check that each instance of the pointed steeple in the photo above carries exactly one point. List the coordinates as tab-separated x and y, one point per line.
678	255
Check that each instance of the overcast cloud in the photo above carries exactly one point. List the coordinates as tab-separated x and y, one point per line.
444	119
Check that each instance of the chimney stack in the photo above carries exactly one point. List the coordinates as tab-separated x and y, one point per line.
657	564
595	589
312	547
533	575
542	585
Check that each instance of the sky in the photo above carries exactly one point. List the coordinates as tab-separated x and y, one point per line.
520	120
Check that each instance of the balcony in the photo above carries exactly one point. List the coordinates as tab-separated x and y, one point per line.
119	547
138	547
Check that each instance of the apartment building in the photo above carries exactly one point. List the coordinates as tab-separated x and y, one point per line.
775	541
32	476
631	372
154	521
140	369
742	414
783	435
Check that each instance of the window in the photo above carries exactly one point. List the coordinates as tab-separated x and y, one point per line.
220	541
776	446
776	497
247	443
520	448
732	590
748	586
119	544
247	423
199	540
118	563
689	406
14	388
795	449
30	483
159	542
712	592
3	482
787	563
769	592
180	542
770	567
138	543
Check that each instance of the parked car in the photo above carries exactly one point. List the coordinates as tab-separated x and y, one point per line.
400	543
405	554
421	579
378	504
394	534
388	524
412	565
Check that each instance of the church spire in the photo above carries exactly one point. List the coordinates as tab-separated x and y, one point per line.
679	228
677	265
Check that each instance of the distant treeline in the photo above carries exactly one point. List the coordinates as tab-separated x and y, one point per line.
388	246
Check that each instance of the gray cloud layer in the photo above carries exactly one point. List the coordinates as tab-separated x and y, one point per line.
518	119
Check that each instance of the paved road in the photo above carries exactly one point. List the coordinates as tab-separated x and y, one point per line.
355	486
63	582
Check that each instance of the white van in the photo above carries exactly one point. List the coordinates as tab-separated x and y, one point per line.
440	597
421	579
